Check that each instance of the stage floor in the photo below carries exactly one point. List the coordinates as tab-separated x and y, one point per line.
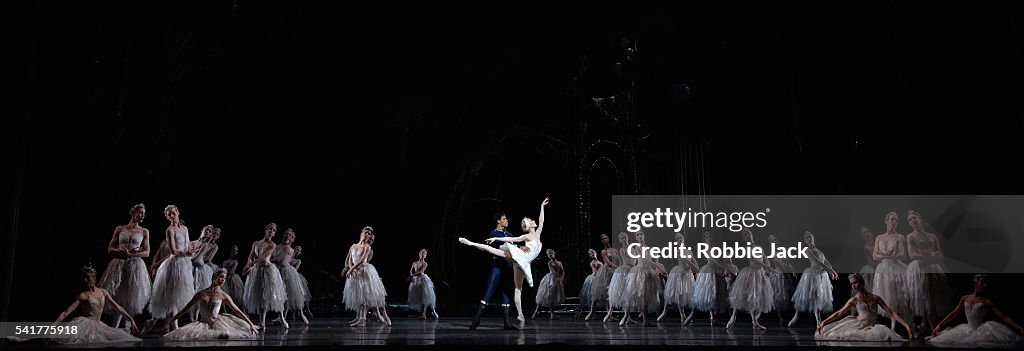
562	334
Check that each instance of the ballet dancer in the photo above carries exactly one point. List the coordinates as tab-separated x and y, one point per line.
421	288
126	277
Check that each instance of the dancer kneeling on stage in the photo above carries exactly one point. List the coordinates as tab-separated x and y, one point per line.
212	324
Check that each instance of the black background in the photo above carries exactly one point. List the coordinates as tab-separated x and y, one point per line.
422	120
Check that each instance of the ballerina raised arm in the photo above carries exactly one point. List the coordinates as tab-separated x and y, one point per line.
540	218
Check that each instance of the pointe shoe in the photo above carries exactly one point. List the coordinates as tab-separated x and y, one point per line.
731	322
436	316
792	322
463	241
688	320
284	323
758	326
607	318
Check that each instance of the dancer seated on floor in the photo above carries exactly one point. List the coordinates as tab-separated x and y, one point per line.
212	324
863	327
522	256
89	304
977	331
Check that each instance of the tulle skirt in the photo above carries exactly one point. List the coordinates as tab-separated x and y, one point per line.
989	333
588	284
891	285
421	293
851	329
782	291
93	331
868	272
599	286
309	293
203	275
643	289
236	289
679	286
364	288
173	286
814	292
928	290
710	290
293	284
128	281
617	287
264	289
225	326
752	291
551	292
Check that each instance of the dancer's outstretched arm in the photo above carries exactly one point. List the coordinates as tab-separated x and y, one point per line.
896	316
849	304
540	218
949	317
1006	319
507	239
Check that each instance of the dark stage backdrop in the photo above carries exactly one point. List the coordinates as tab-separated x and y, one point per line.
423	121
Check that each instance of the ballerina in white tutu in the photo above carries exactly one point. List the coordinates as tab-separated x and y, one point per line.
680	283
212	252
814	291
126	277
927	288
174	284
202	272
890	281
521	256
363	287
264	288
978	332
868	270
234	286
421	288
212	324
617	285
599	288
783	281
711	285
863	326
282	257
296	262
588	283
551	292
752	291
89	304
643	285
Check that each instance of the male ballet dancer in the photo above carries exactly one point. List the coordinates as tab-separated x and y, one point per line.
501	269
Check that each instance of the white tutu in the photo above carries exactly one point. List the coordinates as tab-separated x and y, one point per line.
93	331
752	291
421	292
863	327
643	288
523	259
212	325
710	289
891	285
988	333
293	284
814	291
928	290
977	332
364	287
309	293
588	285
128	281
679	286
264	289
203	275
782	290
617	285
173	286
236	289
868	272
551	292
599	285
90	329
224	326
